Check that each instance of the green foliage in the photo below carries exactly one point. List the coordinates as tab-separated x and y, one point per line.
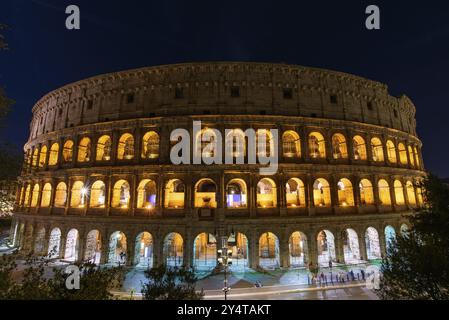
40	282
417	264
170	284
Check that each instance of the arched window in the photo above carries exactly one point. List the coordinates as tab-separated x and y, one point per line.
265	143
317	145
35	157
366	192
67	151
417	157
54	151
205	194
359	147
26	203
235	143
35	195
206	142
402	153
391	152
384	192
43	156
377	150
321	193
78	195
399	192
61	195
121	195
150	145
410	194
339	148
291	145
236	194
125	149
174	194
146	194
411	156
104	146
46	196
98	195
345	193
294	192
84	150
266	193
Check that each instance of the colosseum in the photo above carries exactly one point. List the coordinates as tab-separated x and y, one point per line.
98	183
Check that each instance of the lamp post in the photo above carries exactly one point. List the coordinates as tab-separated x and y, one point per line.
225	259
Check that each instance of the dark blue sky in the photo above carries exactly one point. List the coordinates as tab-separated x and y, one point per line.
410	53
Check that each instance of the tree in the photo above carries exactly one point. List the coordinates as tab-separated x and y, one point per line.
417	262
170	284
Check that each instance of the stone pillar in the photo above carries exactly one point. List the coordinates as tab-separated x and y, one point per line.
362	244
104	258
382	242
158	254
313	249
339	247
309	194
252	195
130	248
188	246
392	193
81	246
284	251
253	250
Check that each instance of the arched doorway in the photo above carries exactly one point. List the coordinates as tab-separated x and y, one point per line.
71	247
269	251
372	244
143	256
54	243
39	243
390	236
205	252
93	247
117	248
238	243
351	246
173	250
297	245
326	247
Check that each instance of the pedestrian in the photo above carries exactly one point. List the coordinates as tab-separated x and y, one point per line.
363	274
330	264
352	275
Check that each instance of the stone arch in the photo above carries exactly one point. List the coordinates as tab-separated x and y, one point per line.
150	145
317	146
326	247
410	193
125	149
173	250
384	192
205	194
35	157
390	235
104	148
72	246
61	195
54	243
295	193
399	193
117	248
174	194
351	246
67	151
359	148
93	247
236	194
269	257
266	193
239	245
143	255
418	162
54	154
402	154
46	196
321	193
391	152
205	252
411	156
78	195
35	196
291	144
235	143
366	192
98	195
84	150
298	249
372	244
42	156
146	194
339	146
39	242
345	193
206	143
121	195
377	150
26	202
265	143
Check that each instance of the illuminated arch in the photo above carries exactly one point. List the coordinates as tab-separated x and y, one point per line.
266	193
418	162
84	150
67	151
205	194
295	193
391	152
351	246
125	150
236	194
35	157
97	195
78	195
150	145
54	243
269	251
61	195
143	252
206	148
399	192
39	243
298	249
173	250
35	195
43	156
390	236
366	192
326	247
72	246
117	248
384	192
410	193
265	143
291	144
317	145
121	195
345	193
372	244
411	156
46	196
359	148
54	153
104	148
92	253
146	194
339	147
26	202
174	194
377	150
402	154
235	143
205	252
321	193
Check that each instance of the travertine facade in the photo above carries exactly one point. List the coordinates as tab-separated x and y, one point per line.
98	171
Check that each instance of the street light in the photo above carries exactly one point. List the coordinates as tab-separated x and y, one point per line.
225	259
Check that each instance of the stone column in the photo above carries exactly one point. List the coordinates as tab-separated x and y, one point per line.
104	258
382	242
313	249
339	247
130	248
284	250
158	246
253	249
81	246
362	244
188	245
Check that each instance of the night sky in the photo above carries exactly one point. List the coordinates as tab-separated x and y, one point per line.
410	53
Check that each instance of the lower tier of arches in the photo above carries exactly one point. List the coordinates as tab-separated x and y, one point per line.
265	243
